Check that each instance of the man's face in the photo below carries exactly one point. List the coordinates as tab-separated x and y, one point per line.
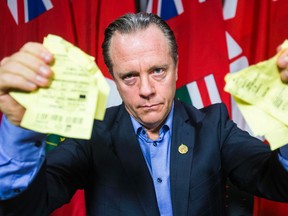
145	75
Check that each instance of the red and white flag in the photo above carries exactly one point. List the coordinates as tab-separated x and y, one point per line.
203	60
91	19
27	20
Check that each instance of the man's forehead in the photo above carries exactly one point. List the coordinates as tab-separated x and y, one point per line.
152	28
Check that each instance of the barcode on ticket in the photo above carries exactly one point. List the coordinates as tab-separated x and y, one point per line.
59	118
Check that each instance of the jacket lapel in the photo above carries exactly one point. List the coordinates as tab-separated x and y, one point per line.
184	135
129	152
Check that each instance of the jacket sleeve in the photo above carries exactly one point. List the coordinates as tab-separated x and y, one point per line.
250	164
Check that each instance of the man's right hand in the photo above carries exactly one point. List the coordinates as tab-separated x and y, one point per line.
25	70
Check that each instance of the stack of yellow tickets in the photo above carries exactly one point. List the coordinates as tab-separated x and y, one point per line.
78	93
262	99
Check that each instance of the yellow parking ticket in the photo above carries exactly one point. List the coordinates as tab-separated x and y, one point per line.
262	99
70	104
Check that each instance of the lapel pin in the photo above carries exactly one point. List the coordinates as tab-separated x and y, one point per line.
183	149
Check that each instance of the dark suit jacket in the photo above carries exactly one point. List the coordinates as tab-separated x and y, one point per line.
112	170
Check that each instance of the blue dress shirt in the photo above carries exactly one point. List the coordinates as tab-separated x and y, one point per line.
157	157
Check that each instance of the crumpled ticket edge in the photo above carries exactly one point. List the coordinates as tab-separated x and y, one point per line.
101	97
261	122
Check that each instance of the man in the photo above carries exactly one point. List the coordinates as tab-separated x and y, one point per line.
152	155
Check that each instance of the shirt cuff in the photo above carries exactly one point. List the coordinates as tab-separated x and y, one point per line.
22	153
283	156
19	143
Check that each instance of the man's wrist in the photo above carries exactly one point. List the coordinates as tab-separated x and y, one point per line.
19	143
283	151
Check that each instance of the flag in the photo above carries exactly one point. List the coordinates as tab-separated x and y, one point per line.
254	29
32	9
27	20
203	62
91	19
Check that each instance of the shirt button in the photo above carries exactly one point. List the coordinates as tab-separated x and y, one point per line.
17	190
38	143
155	144
159	180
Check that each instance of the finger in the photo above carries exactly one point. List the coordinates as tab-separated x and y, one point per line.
284	75
38	50
34	63
13	110
29	67
30	63
282	60
3	61
279	48
9	81
282	63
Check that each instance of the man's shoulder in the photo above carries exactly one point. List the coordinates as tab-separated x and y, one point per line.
217	110
210	108
112	115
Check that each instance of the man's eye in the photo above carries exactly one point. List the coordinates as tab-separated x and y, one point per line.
129	79
128	76
158	70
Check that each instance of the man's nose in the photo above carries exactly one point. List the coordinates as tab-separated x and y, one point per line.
147	87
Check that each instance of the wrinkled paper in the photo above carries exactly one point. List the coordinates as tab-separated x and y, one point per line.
262	99
78	93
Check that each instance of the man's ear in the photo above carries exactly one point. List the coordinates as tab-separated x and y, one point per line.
176	70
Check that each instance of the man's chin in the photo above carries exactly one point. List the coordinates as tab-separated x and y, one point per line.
151	123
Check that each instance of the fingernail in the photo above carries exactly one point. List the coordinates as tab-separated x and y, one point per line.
46	56
286	59
31	85
41	80
284	76
44	71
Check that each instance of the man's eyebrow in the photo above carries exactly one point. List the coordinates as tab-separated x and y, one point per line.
123	74
158	66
